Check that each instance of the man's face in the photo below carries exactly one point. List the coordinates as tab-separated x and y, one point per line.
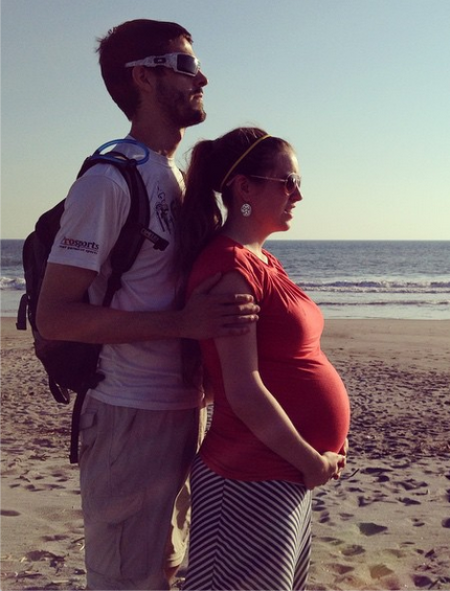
181	96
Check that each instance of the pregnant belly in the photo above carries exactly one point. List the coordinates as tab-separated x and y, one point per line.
316	401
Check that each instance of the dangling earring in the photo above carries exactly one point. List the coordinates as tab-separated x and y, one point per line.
246	210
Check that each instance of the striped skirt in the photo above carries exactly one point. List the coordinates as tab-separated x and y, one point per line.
247	535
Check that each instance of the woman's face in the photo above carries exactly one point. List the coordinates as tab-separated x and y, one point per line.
273	202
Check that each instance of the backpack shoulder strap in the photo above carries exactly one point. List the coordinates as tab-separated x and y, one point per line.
131	237
135	229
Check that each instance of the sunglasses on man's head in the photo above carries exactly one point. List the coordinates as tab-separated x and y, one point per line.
291	182
183	63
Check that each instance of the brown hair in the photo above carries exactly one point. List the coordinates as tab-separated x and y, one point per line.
130	41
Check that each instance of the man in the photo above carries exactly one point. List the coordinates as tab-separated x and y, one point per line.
139	427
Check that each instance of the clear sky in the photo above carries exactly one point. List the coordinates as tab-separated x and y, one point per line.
361	88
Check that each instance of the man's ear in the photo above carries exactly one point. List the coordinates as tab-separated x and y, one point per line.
142	77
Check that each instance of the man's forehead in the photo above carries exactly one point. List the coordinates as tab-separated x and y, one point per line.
182	45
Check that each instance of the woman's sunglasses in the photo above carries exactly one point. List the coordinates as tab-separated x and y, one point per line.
291	182
183	63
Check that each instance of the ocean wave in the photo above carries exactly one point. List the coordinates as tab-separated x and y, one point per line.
381	303
382	286
355	287
12	284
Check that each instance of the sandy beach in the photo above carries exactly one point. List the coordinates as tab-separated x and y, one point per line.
384	525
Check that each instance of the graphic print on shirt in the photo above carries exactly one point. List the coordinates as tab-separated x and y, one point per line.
164	211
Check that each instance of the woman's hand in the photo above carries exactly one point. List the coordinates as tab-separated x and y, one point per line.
344	448
325	467
343	451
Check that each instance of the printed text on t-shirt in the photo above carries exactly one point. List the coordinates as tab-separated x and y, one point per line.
82	245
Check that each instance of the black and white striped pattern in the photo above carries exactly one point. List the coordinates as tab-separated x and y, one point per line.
247	535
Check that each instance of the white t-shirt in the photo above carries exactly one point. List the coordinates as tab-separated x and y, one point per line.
145	375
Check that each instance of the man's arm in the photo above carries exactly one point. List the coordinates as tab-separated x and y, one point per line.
63	315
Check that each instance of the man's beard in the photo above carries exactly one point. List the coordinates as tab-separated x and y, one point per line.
178	107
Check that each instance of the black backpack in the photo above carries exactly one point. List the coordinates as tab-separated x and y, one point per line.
72	366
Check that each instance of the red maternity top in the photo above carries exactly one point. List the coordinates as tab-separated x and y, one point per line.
291	365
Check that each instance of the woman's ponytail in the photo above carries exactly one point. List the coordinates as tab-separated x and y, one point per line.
201	215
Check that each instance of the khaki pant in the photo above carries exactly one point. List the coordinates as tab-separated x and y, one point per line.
133	464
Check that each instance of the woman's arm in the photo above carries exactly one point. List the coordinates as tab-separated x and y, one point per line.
252	402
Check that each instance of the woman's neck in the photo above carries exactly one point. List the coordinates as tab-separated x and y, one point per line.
245	238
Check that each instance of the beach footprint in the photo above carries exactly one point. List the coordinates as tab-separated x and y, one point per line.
371	529
342	569
378	571
9	513
353	550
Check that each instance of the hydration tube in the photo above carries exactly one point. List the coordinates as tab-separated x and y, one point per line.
123	141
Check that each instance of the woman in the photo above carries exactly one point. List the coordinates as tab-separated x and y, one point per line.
281	412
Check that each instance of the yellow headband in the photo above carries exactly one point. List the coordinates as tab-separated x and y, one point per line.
225	178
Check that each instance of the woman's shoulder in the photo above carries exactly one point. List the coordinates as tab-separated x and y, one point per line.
217	256
224	255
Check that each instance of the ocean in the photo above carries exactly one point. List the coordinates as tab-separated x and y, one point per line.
347	279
